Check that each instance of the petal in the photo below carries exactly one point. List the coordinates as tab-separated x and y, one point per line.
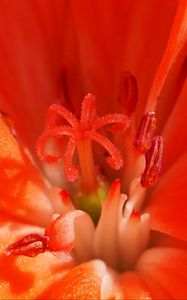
23	277
167	267
22	190
174	133
116	36
29	60
167	205
90	280
172	69
139	287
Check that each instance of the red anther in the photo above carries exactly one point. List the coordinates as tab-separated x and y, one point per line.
135	214
146	131
152	171
128	93
31	245
78	131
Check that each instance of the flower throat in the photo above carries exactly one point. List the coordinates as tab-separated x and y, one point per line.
113	213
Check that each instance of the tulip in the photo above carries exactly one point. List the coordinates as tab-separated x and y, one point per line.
92	202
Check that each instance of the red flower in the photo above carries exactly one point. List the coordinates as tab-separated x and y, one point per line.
132	56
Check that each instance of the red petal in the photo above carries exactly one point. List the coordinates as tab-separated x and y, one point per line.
29	62
121	39
87	281
167	205
22	191
139	287
175	133
172	69
167	267
24	277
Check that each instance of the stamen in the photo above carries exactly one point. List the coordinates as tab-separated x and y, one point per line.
31	245
128	94
81	133
152	171
146	132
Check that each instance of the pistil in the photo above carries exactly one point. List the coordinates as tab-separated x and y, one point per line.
81	133
87	168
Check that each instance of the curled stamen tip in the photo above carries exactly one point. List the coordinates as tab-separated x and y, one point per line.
152	172
146	131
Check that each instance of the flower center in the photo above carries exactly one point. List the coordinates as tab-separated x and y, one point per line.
98	221
81	133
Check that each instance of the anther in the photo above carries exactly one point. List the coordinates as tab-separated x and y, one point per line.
128	93
146	131
31	245
153	157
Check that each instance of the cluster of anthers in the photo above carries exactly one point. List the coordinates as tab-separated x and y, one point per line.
126	230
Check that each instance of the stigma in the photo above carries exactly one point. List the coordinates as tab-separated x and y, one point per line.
81	134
